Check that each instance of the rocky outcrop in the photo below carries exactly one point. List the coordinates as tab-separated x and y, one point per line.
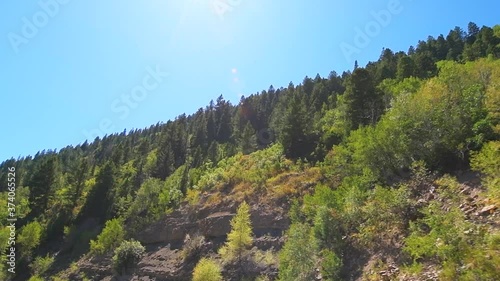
216	225
174	227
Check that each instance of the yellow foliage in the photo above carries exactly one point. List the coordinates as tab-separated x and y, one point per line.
207	270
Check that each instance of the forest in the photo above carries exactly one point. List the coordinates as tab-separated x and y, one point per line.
389	171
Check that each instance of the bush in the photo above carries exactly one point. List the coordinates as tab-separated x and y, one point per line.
192	246
487	161
207	270
41	264
265	258
111	236
297	258
384	216
127	255
29	238
331	265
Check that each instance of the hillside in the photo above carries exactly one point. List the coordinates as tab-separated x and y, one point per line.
386	172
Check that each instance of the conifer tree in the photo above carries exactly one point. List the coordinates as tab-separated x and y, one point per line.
42	185
240	237
207	270
248	139
293	129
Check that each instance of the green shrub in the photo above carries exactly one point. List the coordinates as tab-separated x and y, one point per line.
266	258
384	216
127	255
41	264
207	270
111	236
29	238
446	238
487	161
192	246
297	259
331	265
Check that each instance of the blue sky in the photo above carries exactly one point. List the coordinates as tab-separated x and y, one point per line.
75	69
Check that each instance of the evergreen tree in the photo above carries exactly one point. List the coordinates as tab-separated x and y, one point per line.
77	181
165	164
207	270
406	67
240	237
362	99
99	201
248	142
293	129
223	119
472	32
42	185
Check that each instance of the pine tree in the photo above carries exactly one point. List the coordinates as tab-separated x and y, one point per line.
99	201
362	99
224	126
248	142
293	128
207	270
77	180
42	185
406	67
165	164
240	237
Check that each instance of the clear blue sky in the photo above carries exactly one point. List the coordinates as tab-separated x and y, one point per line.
69	75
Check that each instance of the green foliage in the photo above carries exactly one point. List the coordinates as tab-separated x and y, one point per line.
380	121
330	265
446	236
207	270
254	168
146	199
393	88
297	257
328	230
99	201
405	68
384	215
240	237
440	124
43	184
127	255
265	258
29	238
487	161
41	265
466	252
111	236
293	133
172	190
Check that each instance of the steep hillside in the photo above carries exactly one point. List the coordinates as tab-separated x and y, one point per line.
388	172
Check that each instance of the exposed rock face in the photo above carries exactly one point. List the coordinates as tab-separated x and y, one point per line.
164	240
174	227
216	225
265	220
